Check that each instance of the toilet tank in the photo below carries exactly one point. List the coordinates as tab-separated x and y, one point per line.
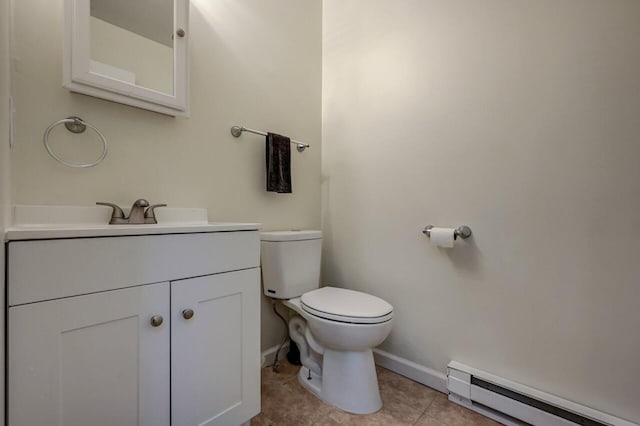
290	262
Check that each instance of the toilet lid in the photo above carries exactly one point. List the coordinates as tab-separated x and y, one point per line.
339	304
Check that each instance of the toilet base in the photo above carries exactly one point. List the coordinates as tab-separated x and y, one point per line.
310	381
349	381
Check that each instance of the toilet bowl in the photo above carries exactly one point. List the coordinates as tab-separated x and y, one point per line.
334	328
347	376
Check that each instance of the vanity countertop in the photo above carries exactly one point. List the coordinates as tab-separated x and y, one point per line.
50	222
41	232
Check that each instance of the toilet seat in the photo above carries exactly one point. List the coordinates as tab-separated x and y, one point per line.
347	306
347	319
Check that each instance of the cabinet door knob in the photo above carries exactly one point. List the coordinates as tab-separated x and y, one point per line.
187	314
156	320
181	33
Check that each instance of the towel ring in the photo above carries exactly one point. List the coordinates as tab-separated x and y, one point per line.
75	125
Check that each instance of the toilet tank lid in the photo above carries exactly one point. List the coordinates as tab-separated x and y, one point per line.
291	235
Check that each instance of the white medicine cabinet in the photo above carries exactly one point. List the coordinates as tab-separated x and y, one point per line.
131	52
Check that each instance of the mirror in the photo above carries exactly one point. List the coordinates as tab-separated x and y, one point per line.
129	51
142	30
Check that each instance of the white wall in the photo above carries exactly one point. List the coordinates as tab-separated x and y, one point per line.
252	62
520	119
4	169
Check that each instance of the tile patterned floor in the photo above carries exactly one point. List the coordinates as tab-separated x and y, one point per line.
286	403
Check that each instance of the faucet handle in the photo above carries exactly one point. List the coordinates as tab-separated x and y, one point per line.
117	215
150	214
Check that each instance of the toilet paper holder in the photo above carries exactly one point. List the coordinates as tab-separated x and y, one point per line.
463	232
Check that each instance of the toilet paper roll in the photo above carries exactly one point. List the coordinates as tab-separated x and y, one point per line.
442	237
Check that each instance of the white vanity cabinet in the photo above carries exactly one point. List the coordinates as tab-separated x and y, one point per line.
151	330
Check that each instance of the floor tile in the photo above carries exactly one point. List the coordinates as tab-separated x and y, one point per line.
286	403
426	420
326	421
451	414
286	372
262	420
403	399
376	419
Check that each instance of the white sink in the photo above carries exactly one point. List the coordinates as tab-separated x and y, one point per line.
47	222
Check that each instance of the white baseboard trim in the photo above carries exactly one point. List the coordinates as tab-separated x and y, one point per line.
269	355
416	372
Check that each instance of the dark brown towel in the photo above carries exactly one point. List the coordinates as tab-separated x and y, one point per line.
278	151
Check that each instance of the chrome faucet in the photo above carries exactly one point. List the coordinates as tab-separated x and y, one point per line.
137	216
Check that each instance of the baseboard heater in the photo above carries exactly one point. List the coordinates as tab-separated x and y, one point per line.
514	404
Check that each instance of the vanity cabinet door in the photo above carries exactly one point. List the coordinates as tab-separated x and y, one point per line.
95	359
215	352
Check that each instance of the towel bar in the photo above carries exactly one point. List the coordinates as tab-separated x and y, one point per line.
236	131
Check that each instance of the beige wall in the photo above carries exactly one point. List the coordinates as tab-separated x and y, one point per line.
5	72
520	119
252	62
4	169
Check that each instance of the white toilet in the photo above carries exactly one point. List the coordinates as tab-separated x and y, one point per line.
335	328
